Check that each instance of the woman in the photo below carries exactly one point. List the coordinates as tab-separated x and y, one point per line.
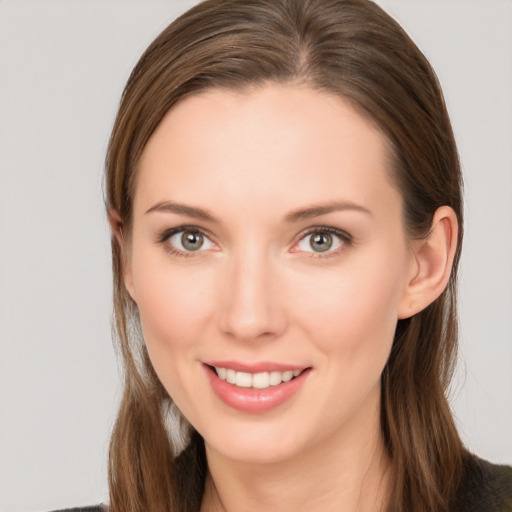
284	194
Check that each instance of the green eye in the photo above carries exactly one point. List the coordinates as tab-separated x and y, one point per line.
320	242
192	241
189	240
323	241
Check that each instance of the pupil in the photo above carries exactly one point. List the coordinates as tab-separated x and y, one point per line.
191	240
321	242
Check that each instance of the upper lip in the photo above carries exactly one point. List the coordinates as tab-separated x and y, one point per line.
257	367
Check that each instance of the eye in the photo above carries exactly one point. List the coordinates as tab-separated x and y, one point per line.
323	240
188	240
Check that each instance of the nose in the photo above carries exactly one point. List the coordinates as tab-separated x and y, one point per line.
250	298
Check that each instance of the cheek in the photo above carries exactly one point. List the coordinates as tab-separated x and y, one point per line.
353	309
174	304
169	310
350	316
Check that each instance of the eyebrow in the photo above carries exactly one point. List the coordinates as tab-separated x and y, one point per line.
183	209
323	209
292	217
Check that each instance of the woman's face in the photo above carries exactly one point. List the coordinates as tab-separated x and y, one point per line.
268	242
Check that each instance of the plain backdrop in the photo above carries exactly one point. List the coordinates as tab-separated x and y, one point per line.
63	65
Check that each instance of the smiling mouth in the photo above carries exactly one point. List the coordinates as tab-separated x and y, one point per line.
261	380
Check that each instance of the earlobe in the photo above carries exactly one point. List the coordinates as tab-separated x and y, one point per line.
432	263
116	228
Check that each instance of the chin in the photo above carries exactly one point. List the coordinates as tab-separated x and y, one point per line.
257	453
260	443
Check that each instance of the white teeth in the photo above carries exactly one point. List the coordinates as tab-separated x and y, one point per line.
275	378
287	376
243	379
230	376
256	380
261	380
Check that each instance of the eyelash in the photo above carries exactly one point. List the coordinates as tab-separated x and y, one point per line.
168	233
345	239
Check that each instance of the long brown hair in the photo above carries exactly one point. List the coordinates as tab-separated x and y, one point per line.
351	48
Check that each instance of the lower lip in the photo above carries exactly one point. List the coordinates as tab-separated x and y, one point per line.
254	400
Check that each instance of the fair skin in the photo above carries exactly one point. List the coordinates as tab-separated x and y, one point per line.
245	272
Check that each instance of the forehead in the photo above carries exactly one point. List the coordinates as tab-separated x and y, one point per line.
283	144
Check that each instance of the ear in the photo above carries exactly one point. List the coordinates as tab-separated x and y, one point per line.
432	260
116	228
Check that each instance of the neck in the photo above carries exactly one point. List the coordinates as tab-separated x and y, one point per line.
348	471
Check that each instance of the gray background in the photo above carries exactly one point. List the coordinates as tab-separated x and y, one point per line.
62	68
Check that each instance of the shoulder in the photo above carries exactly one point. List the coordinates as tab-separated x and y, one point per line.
485	487
96	508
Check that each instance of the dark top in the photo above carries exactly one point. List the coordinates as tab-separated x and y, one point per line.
97	508
485	487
